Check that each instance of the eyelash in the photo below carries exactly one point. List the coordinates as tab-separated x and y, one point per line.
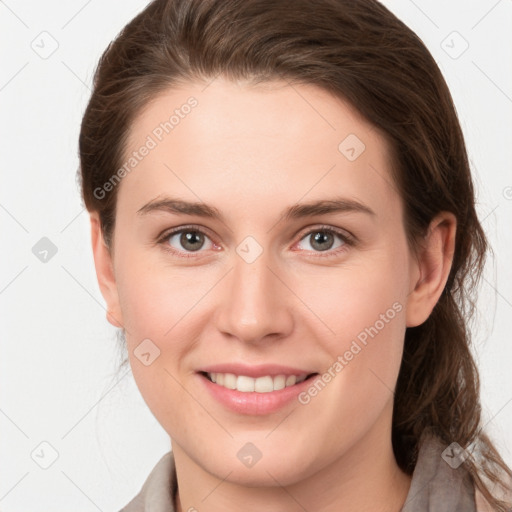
348	240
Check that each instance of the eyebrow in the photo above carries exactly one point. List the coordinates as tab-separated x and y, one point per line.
297	211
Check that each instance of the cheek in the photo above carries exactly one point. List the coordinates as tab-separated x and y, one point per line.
157	300
159	335
164	313
356	386
362	309
351	299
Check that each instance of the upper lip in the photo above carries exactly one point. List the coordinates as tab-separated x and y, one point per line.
255	371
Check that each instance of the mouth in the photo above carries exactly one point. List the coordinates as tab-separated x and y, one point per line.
263	384
255	389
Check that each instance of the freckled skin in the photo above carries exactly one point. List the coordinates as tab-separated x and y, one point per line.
252	152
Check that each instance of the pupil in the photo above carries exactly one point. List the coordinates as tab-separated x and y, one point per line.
319	238
189	239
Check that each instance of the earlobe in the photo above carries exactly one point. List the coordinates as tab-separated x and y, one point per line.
105	272
433	265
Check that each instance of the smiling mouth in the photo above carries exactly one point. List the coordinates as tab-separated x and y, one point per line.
264	384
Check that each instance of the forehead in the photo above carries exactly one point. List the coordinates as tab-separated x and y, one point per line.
237	144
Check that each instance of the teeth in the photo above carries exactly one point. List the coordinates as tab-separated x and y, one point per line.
279	382
229	380
246	384
291	380
264	384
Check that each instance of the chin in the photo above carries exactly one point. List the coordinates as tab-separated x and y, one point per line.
274	467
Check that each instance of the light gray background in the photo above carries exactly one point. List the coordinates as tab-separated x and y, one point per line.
58	380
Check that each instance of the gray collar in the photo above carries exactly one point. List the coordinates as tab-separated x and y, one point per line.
435	485
439	483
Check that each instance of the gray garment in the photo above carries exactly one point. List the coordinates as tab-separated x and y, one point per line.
435	486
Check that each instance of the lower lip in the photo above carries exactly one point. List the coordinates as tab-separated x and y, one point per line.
254	402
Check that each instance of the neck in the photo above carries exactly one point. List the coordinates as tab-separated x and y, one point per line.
364	478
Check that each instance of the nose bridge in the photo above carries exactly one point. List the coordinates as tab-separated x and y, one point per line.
254	302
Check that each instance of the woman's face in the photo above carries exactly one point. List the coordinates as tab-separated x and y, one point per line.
289	258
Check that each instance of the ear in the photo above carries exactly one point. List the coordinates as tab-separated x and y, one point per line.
105	272
431	268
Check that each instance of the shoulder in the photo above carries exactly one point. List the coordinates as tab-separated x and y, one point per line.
499	491
157	492
440	479
439	482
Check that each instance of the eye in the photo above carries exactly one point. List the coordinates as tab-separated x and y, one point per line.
323	239
187	239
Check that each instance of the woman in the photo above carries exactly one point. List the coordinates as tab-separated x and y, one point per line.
291	376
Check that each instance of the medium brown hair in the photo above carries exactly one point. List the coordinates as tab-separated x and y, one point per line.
359	51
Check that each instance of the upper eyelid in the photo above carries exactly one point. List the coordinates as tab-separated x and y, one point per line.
323	227
173	231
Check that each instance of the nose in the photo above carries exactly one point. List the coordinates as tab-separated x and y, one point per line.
255	305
